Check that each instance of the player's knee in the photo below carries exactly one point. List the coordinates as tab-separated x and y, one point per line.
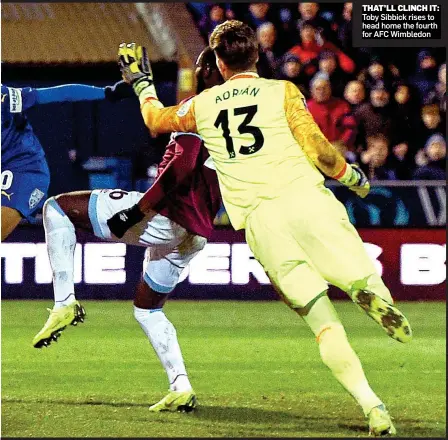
55	218
290	280
51	204
157	287
148	298
150	301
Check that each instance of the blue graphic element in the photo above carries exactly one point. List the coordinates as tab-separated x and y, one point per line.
390	202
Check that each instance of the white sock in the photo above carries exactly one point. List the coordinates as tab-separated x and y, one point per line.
61	241
162	335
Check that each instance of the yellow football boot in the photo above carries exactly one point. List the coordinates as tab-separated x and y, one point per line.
386	315
57	321
380	422
184	401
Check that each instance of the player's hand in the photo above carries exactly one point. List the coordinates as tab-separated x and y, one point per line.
359	183
117	92
135	67
123	220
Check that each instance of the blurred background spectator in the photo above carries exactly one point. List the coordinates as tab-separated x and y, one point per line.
328	64
438	93
258	14
80	177
425	77
354	94
431	123
405	111
375	116
309	13
216	15
374	159
401	161
432	160
376	72
312	44
270	50
344	29
291	69
330	113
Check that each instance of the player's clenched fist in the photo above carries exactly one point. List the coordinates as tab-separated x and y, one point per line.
135	67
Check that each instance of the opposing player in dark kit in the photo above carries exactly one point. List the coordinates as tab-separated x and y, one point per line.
180	208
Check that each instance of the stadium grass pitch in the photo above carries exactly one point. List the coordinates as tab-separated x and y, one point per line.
255	368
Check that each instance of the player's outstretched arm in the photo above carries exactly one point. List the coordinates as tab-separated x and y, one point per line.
136	70
309	136
18	100
81	92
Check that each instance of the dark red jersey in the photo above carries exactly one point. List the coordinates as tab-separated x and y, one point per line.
186	189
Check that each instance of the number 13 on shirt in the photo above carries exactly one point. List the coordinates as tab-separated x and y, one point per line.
244	128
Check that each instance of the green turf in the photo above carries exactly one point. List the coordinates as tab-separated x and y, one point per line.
254	366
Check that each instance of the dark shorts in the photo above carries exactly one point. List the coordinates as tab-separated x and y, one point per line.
25	190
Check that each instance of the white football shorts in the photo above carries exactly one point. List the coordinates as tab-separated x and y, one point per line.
170	247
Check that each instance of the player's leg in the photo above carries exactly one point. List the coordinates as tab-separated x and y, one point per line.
294	276
340	256
148	311
161	275
10	219
61	216
170	248
338	355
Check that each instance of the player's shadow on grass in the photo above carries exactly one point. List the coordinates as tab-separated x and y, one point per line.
286	421
253	415
88	402
295	421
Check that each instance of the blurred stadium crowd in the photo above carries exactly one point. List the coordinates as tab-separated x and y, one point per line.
382	107
389	121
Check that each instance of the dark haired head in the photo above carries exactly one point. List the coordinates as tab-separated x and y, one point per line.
206	58
207	73
235	44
